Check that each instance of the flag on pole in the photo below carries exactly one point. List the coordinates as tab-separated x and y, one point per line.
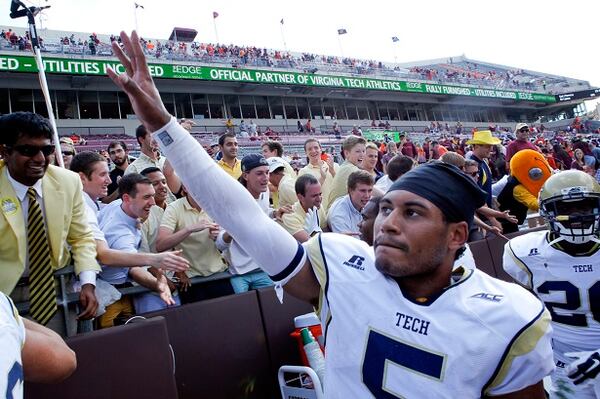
395	39
215	14
139	6
342	31
281	22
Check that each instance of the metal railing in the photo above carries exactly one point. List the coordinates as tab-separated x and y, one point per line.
64	298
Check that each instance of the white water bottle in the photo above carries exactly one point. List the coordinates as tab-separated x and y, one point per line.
315	357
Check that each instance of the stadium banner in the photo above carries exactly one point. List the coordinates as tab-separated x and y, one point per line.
381	135
193	71
578	95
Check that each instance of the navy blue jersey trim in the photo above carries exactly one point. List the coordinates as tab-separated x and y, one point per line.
292	266
433	298
521	260
325	291
507	350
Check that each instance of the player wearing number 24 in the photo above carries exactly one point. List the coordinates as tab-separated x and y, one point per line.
399	320
562	266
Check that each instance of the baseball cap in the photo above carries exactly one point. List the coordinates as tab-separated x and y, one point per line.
275	163
252	161
521	126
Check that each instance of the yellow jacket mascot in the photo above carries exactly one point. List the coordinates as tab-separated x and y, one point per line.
529	170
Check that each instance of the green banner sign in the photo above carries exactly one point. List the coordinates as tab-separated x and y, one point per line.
379	135
191	71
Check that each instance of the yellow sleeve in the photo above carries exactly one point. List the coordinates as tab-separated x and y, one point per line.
287	193
290	171
169	218
132	168
339	187
291	223
527	360
275	199
80	236
303	171
525	197
315	256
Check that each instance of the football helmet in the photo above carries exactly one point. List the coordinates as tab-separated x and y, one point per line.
570	203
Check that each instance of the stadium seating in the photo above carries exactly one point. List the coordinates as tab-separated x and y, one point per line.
232	346
454	70
132	361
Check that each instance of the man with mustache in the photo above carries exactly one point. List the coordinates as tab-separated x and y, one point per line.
401	323
119	155
149	152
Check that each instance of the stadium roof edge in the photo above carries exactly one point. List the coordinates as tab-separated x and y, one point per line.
464	58
434	61
526	70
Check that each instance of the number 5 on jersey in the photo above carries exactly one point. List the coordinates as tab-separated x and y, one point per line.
384	353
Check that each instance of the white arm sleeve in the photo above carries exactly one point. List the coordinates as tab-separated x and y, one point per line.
230	205
220	242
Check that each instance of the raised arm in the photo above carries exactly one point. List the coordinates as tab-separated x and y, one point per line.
227	202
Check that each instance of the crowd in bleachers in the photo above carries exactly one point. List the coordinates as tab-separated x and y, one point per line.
340	188
469	72
18	42
459	71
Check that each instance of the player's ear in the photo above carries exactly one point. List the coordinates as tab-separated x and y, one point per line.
458	234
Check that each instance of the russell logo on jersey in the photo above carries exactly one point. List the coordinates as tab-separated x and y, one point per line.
533	252
355	262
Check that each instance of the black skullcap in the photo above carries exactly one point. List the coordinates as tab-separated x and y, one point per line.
455	193
252	161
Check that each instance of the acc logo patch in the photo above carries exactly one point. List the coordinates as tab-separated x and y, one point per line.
488	297
9	205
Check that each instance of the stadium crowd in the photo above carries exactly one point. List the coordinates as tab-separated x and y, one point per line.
322	192
465	72
416	203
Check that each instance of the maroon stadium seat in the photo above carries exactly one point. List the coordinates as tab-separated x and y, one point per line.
278	319
483	258
220	348
132	361
496	246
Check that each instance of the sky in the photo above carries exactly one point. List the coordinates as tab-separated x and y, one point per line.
546	36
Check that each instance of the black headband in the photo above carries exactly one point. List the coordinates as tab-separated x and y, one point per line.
453	192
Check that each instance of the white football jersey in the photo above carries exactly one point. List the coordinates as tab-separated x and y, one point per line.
479	336
12	339
568	285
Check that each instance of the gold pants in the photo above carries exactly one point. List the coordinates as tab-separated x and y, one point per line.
123	308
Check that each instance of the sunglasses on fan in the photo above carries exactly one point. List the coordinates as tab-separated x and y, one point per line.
32	150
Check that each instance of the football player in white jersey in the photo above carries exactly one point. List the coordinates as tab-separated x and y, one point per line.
41	357
562	266
12	339
402	323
